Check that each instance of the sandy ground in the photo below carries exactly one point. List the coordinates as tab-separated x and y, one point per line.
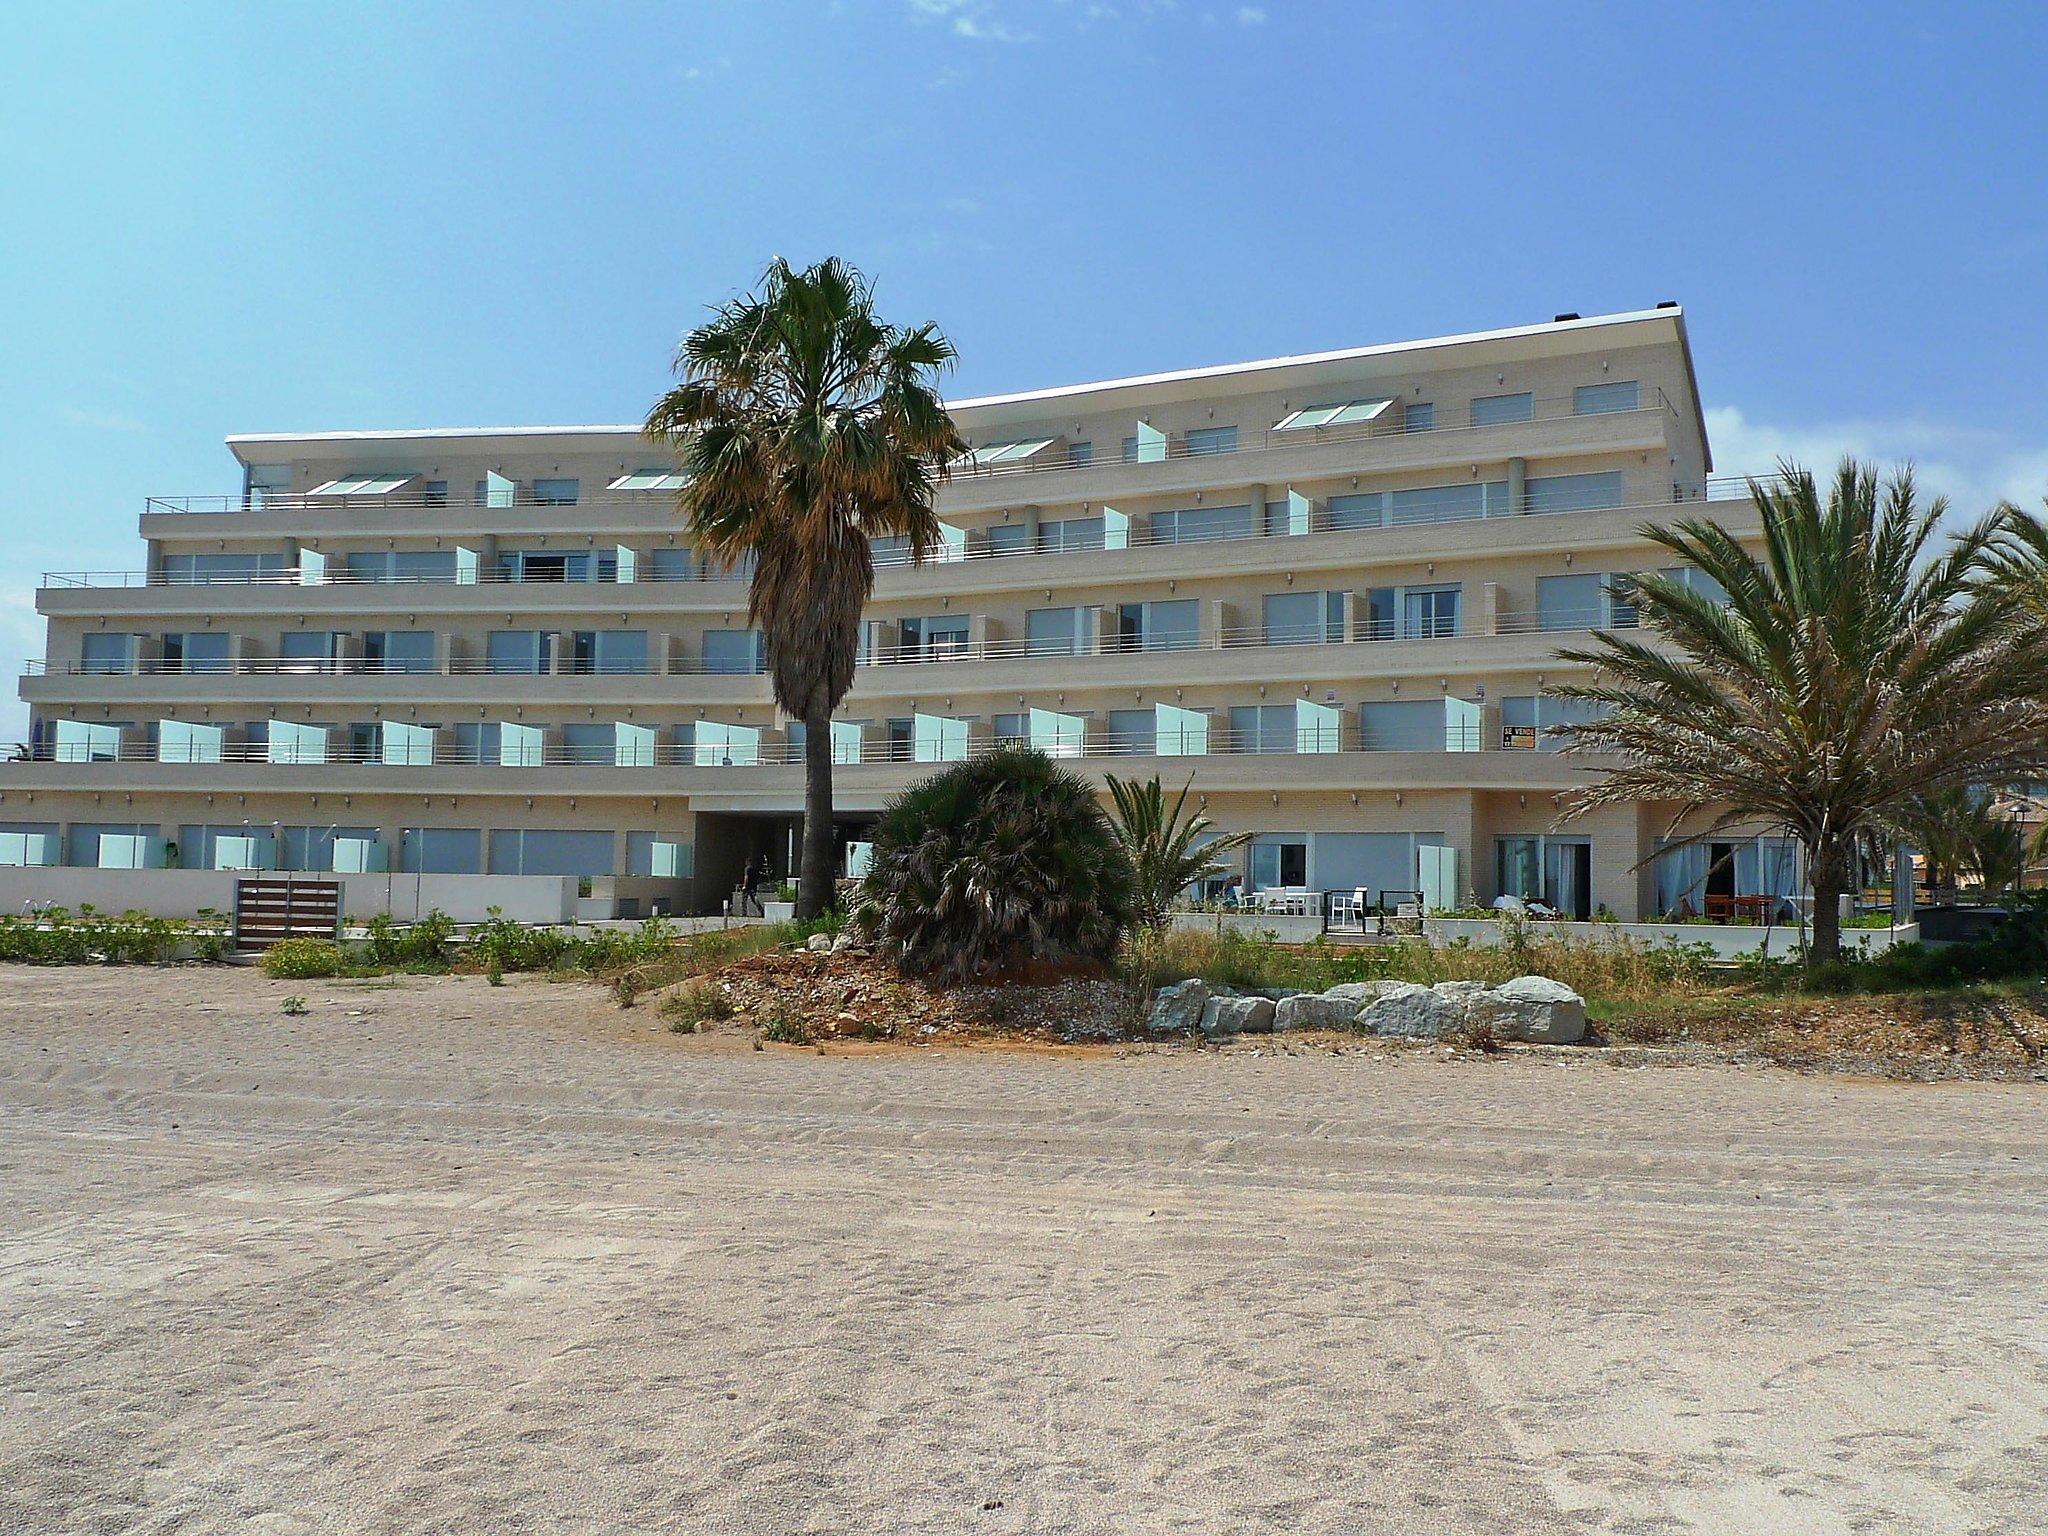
446	1258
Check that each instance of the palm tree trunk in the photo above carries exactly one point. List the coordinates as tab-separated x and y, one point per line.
814	885
1830	870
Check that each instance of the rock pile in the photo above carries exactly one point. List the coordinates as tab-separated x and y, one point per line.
1529	1008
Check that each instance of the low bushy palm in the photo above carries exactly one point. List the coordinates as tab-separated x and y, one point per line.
992	863
1168	854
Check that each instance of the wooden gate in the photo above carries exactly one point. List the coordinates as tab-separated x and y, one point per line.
268	912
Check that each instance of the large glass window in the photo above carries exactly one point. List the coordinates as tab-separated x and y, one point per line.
539	851
517	650
1063	536
1132	731
399	650
1429	613
1279	860
1054	631
441	851
1528	721
556	492
1493	410
932	638
195	651
392	565
1569	602
1195	525
1572	493
1009	539
734	651
665	565
301	651
1598	399
204	570
1203	440
1158	626
613	651
1302	618
106	654
586	743
1556	871
1263	728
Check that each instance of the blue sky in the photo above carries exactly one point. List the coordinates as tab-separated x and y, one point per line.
222	218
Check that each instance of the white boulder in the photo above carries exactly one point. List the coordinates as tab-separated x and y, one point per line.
1177	1010
1536	1009
1237	1016
1407	1011
1315	1010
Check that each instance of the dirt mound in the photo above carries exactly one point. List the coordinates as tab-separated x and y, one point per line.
796	997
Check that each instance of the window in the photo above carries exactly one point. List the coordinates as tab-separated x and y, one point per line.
1278	861
1697	582
1430	614
1403	725
934	638
195	652
263	484
665	565
399	650
517	650
1009	539
1081	453
588	743
1066	535
1054	631
1572	493
658	854
1598	399
608	651
534	851
1196	525
476	742
649	480
1556	871
1263	728
1418	416
441	851
1411	613
1011	728
902	739
1457	503
1494	410
303	651
1205	440
1130	450
1132	732
206	570
556	492
435	493
104	654
389	565
1345	414
731	651
1158	626
1302	618
360	485
1569	602
546	565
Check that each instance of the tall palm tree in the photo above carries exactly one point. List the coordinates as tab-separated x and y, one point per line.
806	426
1860	664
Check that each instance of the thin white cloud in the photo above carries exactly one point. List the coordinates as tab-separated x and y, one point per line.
1973	467
1251	16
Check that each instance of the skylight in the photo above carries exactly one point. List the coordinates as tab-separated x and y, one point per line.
648	480
1006	453
360	485
1331	415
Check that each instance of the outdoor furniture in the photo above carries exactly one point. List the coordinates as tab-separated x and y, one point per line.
1720	909
1757	909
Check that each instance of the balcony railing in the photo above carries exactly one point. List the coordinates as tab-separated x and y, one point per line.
1717	488
1344	740
1235	637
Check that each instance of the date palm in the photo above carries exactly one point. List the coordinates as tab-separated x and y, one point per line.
1862	663
1168	854
806	427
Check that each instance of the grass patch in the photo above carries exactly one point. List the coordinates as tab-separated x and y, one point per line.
695	1004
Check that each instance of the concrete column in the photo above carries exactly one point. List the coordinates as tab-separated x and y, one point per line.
1489	609
1518	476
1257	496
1466	829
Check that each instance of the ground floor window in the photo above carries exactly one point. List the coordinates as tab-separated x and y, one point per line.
1757	878
1556	871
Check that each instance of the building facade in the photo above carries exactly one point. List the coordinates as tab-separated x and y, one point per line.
1328	588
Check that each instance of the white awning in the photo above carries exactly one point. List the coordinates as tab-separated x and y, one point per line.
649	480
1340	415
361	485
1005	453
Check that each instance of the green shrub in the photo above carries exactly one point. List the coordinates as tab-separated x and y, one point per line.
302	960
295	1006
991	863
57	936
785	1026
694	1004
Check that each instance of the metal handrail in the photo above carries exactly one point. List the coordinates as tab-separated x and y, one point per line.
1232	637
1220	742
1142	537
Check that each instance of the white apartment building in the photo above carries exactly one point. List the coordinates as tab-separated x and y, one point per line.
1330	588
